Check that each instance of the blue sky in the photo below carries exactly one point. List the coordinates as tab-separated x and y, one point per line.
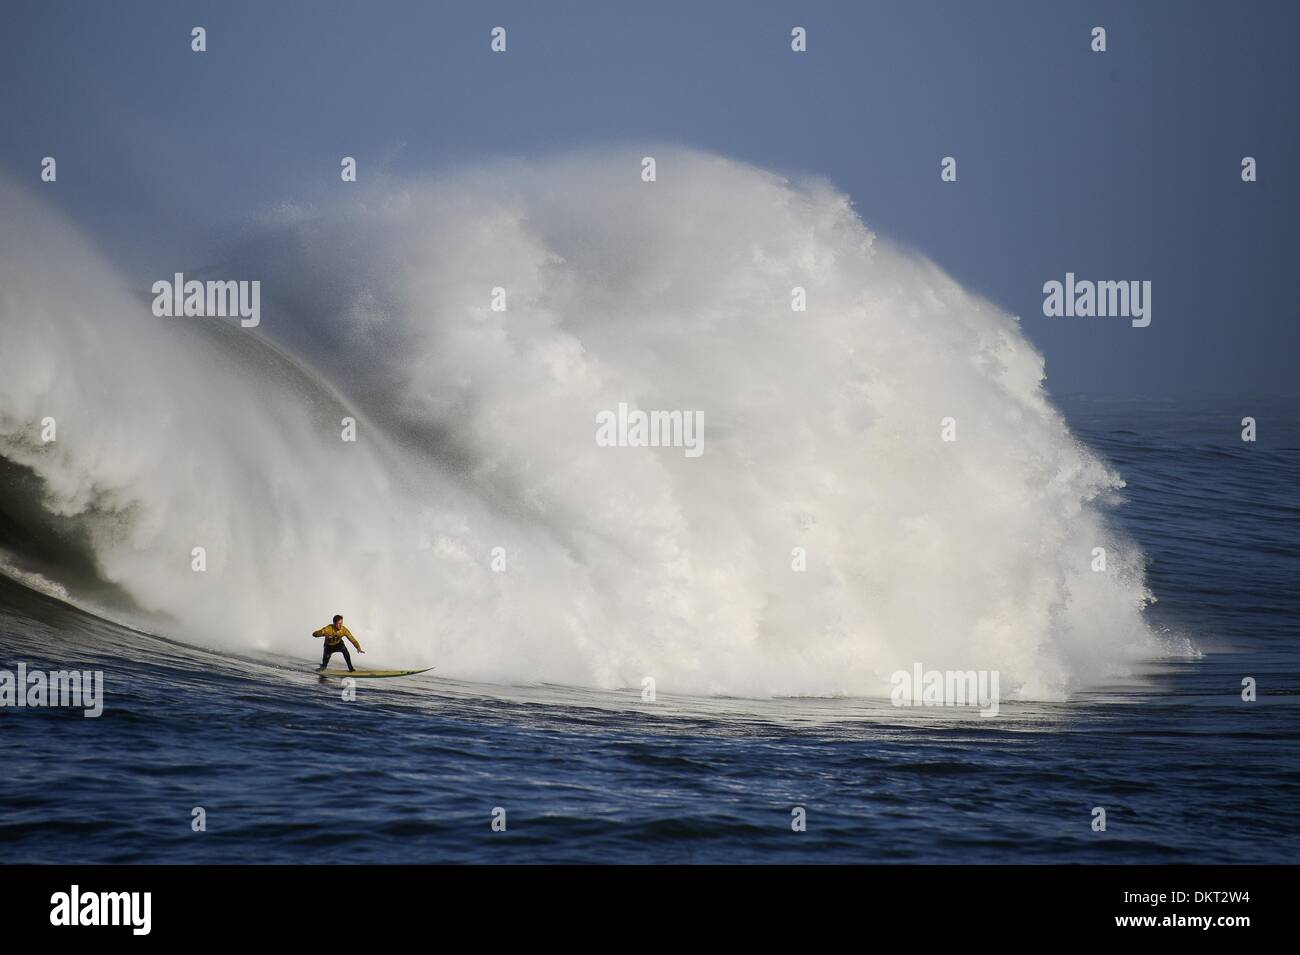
1122	165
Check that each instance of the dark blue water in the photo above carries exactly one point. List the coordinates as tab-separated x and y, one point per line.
412	770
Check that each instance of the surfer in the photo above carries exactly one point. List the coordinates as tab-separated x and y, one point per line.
334	634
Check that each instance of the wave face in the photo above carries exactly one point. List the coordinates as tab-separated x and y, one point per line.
476	430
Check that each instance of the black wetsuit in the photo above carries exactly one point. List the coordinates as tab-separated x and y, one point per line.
339	647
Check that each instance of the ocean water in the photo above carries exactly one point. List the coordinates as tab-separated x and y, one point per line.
826	537
413	769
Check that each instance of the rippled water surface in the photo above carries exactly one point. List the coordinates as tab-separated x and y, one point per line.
411	772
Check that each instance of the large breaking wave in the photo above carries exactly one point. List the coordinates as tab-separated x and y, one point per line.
476	431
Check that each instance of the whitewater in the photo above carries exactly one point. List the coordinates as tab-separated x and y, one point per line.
476	437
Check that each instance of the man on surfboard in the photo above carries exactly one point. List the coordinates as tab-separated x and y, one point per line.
334	634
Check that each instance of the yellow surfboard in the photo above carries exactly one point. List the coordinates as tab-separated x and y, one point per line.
372	674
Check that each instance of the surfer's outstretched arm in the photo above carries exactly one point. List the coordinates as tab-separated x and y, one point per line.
348	633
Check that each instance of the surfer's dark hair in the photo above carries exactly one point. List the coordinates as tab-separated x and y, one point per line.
338	617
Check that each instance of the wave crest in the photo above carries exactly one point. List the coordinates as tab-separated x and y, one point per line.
476	431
